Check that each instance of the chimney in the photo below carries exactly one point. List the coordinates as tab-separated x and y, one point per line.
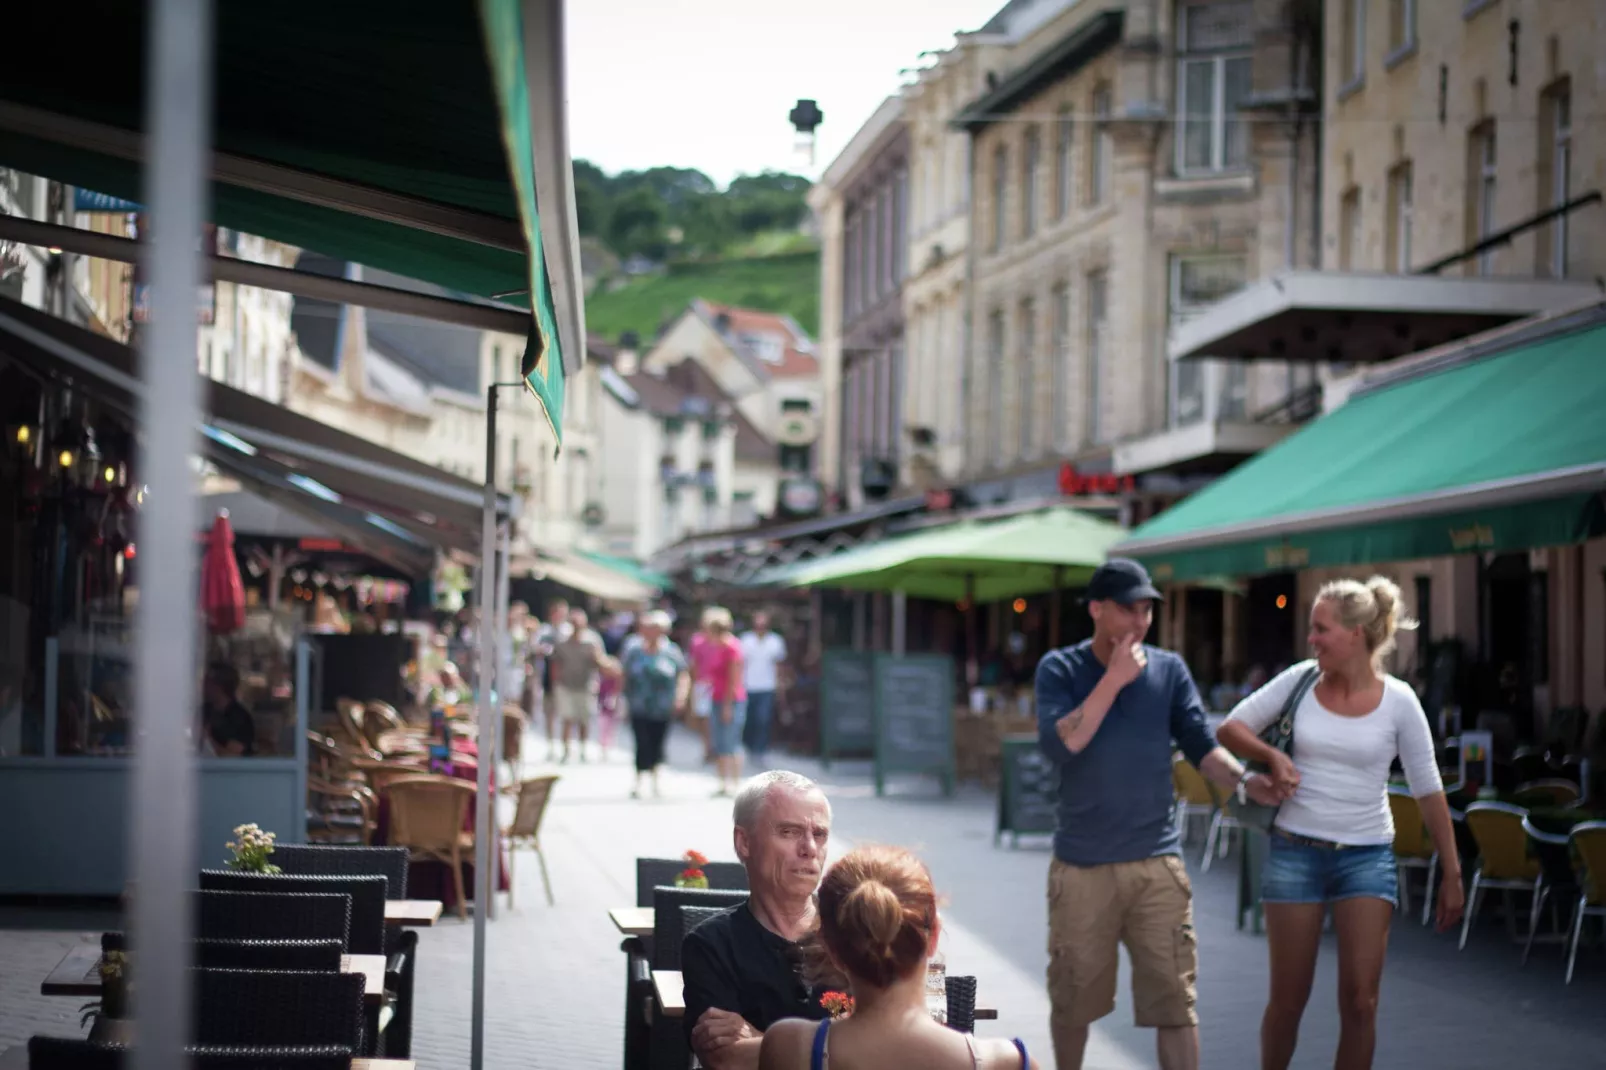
627	360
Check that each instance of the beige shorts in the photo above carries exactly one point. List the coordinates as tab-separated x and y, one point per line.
1146	905
572	704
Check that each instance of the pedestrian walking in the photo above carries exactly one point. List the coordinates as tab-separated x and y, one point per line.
763	653
1108	710
578	663
547	637
657	686
1332	840
717	676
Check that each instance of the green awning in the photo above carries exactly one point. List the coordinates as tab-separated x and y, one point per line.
1504	452
392	133
634	569
1019	556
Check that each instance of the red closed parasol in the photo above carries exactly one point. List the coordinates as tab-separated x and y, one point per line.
222	593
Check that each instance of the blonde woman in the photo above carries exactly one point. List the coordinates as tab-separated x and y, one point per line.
1332	840
716	659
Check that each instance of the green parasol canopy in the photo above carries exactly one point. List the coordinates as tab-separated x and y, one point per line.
1010	558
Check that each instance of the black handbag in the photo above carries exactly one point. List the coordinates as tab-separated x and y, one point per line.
1278	735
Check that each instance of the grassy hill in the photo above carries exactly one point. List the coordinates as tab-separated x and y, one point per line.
789	284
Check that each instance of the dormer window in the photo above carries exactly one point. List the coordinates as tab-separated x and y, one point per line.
770	348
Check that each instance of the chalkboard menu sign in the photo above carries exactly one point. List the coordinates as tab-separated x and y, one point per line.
1028	789
914	722
847	705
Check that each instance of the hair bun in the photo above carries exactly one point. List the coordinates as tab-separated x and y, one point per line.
1386	593
873	910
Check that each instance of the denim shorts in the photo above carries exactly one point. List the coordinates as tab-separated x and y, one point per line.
727	737
1299	870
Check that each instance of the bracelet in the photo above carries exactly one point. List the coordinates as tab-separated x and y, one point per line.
1243	782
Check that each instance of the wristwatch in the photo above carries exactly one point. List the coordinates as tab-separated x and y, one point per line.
1243	782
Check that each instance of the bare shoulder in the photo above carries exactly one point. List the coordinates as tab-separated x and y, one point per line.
997	1054
786	1044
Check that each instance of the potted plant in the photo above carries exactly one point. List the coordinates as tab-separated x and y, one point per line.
110	1014
251	847
837	1004
693	876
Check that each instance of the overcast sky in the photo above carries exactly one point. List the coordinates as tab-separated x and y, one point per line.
708	83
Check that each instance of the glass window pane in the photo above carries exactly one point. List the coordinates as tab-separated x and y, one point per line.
1187	401
1236	92
1198	85
1215	26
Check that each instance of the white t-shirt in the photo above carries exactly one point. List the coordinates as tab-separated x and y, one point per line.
1344	762
761	654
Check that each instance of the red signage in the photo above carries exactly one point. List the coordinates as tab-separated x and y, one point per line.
334	546
939	500
1074	484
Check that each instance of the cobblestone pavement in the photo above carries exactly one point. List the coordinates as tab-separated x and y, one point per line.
555	976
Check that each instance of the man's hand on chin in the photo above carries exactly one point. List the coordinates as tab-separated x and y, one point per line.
716	1032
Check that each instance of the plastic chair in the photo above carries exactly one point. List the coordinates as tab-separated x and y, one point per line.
1192	785
1588	843
525	831
1413	849
1193	794
1504	862
1555	863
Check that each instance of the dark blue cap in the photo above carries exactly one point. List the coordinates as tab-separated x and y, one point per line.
1120	579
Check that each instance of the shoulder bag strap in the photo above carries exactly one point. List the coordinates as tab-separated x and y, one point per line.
1295	697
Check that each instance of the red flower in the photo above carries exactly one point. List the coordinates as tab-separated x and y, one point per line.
837	1004
692	874
696	858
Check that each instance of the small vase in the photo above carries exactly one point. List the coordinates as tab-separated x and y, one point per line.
112	1031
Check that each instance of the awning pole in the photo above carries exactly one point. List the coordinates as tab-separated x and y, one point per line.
1054	608
161	804
504	674
483	833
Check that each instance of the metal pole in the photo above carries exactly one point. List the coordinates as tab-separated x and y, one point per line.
900	622
161	805
504	672
483	833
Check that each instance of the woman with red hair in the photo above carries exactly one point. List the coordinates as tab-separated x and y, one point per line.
878	923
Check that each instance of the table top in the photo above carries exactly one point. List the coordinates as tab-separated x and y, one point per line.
418	913
632	921
16	1058
77	974
670	989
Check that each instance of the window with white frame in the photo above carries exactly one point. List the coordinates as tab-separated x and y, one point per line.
1484	188
1000	196
1399	236
1064	141
1214	45
1059	401
995	386
1031	161
1349	229
1559	104
1203	388
1026	390
1352	43
1402	25
1099	149
1097	328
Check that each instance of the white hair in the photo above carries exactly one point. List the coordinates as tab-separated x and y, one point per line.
655	618
750	799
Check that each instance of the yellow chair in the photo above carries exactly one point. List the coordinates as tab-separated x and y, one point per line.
1588	842
1562	793
1413	849
1196	796
1504	862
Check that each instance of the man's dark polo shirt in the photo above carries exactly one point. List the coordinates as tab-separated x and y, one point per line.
732	962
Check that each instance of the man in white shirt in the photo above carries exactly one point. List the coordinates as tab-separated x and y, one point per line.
763	652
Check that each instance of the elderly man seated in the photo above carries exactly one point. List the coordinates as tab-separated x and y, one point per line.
742	969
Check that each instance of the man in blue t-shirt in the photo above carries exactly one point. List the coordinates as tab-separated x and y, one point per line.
1108	711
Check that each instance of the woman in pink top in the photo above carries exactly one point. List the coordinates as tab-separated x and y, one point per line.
716	657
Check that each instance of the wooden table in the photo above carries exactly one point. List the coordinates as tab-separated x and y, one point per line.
670	989
78	974
417	913
632	921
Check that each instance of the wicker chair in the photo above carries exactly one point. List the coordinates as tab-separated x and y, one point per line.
661	872
675	915
240	915
962	1003
427	817
340	812
669	918
513	724
322	860
525	831
316	956
72	1053
276	1007
367	935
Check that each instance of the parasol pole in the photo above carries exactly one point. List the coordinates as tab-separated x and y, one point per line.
973	660
1054	608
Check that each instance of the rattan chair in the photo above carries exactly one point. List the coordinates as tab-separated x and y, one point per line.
73	1053
525	831
277	1007
961	1003
367	934
318	956
1504	861
343	813
661	872
1413	849
514	723
339	860
669	918
427	817
252	915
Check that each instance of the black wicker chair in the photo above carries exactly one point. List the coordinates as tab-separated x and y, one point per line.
661	872
249	1008
962	1004
71	1053
341	860
669	919
638	1003
367	935
319	956
273	916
